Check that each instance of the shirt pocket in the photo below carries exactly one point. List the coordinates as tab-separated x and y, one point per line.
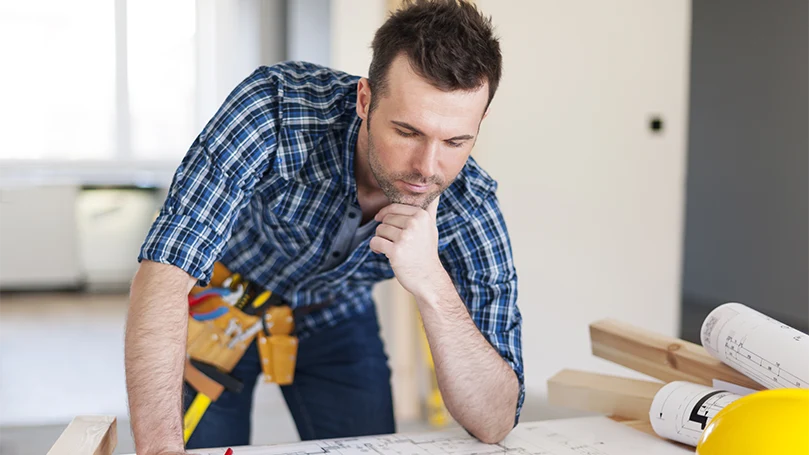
285	233
283	215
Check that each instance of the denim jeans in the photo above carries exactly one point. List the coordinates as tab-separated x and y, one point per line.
341	389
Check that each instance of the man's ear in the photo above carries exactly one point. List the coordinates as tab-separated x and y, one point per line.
363	98
485	113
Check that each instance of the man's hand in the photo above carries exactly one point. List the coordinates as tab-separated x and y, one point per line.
408	236
479	388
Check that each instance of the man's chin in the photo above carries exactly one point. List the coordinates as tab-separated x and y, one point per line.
409	200
421	201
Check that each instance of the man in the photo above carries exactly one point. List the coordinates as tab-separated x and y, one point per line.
317	185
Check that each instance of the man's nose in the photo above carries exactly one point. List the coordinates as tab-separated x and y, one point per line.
426	160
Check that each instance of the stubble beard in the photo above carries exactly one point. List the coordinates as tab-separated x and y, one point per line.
385	181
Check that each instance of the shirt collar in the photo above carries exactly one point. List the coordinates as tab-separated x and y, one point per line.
467	193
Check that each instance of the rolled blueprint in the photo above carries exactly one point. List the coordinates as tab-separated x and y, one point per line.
771	353
681	410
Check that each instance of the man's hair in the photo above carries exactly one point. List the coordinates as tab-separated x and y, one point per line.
447	42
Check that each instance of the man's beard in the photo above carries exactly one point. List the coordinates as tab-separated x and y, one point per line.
385	181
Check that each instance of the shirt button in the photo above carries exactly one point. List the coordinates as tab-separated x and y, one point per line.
352	215
336	254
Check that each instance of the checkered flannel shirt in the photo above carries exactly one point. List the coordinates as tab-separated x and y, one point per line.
266	183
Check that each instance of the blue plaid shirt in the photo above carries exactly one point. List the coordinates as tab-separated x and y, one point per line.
267	182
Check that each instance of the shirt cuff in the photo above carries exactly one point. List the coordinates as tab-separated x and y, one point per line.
181	241
521	380
508	345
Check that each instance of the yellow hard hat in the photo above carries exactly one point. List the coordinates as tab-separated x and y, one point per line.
768	422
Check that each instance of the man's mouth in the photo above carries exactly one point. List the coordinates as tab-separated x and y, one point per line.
416	188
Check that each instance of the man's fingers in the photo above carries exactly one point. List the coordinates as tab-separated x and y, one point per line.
400	221
389	232
396	209
380	245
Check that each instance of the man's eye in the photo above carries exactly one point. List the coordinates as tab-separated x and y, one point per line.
404	134
454	144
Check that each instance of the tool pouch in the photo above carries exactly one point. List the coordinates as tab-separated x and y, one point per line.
222	341
226	316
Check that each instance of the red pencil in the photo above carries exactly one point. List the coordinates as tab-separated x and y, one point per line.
229	452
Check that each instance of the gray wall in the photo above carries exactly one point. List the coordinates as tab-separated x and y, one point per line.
746	217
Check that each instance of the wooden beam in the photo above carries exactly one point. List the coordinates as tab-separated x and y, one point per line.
605	394
87	435
662	357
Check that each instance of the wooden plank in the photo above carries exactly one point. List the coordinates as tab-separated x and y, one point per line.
662	357
87	435
605	394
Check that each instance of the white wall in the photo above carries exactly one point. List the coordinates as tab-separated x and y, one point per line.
353	24
593	200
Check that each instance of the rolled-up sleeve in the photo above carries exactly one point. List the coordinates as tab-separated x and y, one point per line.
480	263
215	179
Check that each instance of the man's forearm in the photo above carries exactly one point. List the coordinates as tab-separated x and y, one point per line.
156	331
479	388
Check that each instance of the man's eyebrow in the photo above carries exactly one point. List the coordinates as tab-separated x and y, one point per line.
412	128
465	137
407	126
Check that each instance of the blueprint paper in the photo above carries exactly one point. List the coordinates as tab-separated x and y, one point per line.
580	436
681	410
763	349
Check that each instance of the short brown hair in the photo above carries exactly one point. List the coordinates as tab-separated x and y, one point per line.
448	42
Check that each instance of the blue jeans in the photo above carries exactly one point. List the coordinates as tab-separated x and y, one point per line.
341	389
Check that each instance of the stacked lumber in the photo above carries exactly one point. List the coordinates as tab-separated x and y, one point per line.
665	358
742	352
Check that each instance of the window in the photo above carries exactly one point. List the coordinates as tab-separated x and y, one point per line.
59	93
98	79
161	77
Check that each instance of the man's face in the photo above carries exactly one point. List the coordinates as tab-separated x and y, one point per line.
420	137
